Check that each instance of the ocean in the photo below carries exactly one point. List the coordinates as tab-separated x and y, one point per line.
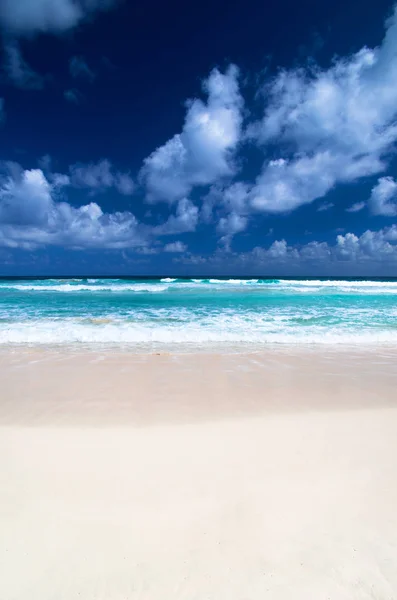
197	314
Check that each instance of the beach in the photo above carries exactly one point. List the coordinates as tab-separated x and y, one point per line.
199	476
198	300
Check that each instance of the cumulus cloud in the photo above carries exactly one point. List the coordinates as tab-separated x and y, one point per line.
228	207
331	126
124	183
203	152
15	210
35	213
80	70
371	246
369	252
383	200
101	176
184	220
27	17
319	128
175	247
285	184
328	126
230	225
31	216
18	71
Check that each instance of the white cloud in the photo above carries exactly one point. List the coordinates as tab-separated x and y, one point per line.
184	220
203	152
14	208
29	17
228	208
332	126
233	223
79	69
278	249
230	225
356	207
124	183
94	175
284	185
101	176
235	198
34	213
371	246
31	216
383	200
59	180
175	247
369	252
17	69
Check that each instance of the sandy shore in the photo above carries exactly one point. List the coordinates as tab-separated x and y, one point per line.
198	477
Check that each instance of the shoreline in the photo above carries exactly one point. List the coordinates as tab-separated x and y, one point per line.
120	388
200	349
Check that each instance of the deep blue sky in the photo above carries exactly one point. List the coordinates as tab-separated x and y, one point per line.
198	138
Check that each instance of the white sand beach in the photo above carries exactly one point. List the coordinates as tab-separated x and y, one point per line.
223	477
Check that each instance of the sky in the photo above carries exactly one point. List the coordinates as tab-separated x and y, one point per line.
198	138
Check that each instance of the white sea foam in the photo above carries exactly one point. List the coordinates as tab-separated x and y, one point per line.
338	283
67	287
223	329
235	281
361	286
285	286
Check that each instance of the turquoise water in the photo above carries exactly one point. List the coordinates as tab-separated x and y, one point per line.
197	313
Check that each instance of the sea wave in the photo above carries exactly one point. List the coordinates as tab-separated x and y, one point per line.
338	283
234	281
67	287
273	286
215	331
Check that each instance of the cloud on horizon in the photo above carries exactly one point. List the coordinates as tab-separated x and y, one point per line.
34	214
47	220
370	250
